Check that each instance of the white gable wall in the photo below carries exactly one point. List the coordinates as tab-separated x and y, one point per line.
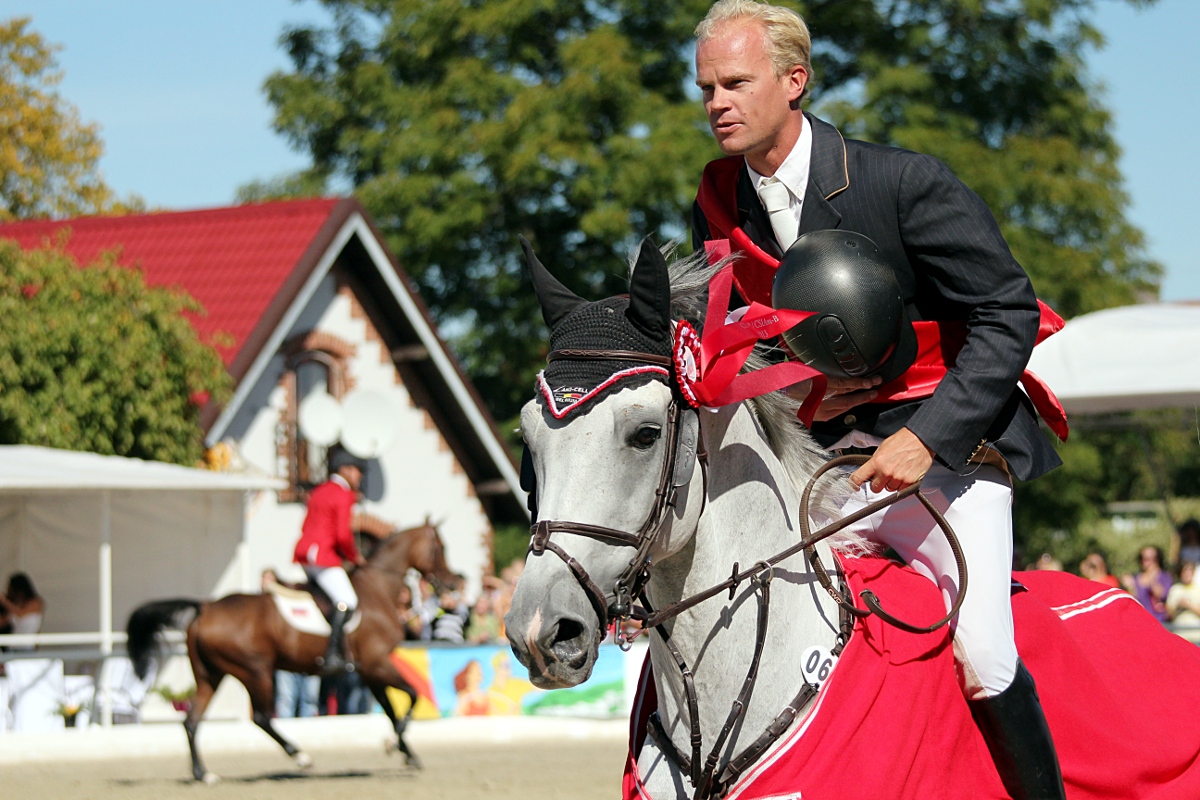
421	476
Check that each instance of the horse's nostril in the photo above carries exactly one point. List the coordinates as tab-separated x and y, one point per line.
568	630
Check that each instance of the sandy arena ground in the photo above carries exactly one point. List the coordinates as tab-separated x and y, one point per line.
571	770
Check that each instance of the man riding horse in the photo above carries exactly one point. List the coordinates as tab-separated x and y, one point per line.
789	173
325	542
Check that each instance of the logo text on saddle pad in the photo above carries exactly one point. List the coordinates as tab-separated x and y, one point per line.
299	610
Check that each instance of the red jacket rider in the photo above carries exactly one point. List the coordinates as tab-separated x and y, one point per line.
326	540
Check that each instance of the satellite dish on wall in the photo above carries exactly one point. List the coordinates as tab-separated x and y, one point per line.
372	423
320	418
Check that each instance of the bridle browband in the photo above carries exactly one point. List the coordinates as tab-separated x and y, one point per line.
630	584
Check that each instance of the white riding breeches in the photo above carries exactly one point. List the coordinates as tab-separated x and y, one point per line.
336	584
978	507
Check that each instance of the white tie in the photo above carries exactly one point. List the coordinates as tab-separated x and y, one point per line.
778	202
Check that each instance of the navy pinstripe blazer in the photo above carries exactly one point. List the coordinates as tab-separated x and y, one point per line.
952	264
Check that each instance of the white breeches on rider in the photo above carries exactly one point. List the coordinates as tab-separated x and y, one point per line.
336	584
978	507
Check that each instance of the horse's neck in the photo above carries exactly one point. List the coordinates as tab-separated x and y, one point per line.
389	563
392	555
750	515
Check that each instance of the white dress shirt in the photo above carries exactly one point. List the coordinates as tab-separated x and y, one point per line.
793	172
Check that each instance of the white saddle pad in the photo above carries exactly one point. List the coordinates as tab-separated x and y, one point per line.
300	611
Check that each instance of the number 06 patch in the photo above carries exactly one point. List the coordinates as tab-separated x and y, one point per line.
817	664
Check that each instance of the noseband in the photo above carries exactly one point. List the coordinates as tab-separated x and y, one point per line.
683	446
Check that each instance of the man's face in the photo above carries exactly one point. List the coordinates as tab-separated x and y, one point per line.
748	108
353	476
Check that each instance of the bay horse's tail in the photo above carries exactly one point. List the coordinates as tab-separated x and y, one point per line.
147	620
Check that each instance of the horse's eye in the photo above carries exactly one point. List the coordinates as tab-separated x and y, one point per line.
645	437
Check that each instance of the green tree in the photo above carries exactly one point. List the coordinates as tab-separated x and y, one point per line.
93	359
284	187
998	89
49	158
463	124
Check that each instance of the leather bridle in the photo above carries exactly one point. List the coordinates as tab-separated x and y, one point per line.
682	437
684	445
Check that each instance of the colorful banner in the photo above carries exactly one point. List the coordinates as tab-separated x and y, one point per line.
487	681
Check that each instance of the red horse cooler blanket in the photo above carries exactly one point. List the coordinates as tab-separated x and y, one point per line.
1121	695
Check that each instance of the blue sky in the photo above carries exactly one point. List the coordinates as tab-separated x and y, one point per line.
176	86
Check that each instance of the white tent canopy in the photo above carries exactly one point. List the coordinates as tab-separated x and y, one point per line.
25	469
99	535
1123	359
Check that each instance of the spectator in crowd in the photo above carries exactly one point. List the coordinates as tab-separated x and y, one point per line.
1183	599
1185	546
427	609
347	694
484	626
21	607
296	695
451	618
1048	561
504	587
409	617
1151	584
1095	568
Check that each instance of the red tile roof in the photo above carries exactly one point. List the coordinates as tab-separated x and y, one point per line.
234	261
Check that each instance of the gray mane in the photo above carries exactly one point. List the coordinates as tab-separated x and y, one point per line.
788	439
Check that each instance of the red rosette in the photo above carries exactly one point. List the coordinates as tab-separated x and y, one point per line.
686	355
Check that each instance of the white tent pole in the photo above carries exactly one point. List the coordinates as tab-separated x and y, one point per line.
106	628
249	584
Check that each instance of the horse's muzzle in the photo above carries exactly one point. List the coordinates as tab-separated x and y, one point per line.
558	653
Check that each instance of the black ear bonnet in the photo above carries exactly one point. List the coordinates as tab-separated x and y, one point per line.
639	322
594	326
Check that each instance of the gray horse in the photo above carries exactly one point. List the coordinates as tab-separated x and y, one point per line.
600	466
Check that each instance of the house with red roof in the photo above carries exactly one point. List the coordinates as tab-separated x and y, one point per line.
329	345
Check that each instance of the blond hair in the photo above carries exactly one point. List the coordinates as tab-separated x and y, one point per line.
788	41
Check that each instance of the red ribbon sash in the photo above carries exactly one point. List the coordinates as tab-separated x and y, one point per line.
938	342
724	348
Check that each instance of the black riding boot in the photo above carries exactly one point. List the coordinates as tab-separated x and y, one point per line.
1014	727
334	663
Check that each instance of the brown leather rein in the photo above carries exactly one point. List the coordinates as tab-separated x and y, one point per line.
633	579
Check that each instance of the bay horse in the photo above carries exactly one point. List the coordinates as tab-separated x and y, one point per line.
759	682
244	636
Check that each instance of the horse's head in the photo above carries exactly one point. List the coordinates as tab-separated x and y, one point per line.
418	548
612	446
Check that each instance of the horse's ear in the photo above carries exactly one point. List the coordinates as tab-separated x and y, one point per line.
650	292
555	299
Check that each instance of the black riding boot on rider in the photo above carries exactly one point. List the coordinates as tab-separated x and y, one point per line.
1014	727
334	662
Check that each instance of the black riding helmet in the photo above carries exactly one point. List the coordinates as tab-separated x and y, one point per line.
860	327
341	457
